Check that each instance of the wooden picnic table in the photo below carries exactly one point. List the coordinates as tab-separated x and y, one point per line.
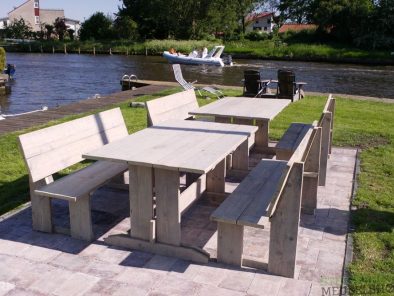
243	110
156	156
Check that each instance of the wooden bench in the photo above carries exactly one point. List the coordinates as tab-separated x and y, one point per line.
292	137
269	194
175	106
50	150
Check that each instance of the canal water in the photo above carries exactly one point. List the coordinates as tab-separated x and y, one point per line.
53	80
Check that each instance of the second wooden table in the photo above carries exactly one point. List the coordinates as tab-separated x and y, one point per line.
243	110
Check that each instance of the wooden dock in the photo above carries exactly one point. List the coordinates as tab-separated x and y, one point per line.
12	124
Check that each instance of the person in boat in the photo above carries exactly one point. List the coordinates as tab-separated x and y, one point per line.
204	52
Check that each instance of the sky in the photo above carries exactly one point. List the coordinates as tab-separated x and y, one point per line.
74	9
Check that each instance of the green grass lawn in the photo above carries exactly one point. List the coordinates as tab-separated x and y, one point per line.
364	124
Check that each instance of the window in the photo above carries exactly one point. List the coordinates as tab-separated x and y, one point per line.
5	23
37	20
36	4
268	21
265	28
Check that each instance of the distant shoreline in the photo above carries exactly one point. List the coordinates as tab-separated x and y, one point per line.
238	50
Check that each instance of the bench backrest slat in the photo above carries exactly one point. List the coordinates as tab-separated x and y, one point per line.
55	148
300	153
175	106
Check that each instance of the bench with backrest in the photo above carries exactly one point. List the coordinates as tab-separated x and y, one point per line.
50	150
175	106
291	139
269	194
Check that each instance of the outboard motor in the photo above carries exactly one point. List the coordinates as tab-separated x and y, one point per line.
227	60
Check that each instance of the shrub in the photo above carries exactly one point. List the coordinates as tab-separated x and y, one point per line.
256	36
2	59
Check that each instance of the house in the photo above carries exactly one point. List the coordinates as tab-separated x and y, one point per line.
36	16
261	22
296	27
4	22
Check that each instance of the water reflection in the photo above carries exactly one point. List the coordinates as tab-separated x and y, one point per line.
52	80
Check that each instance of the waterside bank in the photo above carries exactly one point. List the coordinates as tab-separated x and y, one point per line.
265	50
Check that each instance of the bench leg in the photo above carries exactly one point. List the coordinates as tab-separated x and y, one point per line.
309	194
261	140
41	213
81	219
215	178
229	162
284	226
41	207
230	243
241	157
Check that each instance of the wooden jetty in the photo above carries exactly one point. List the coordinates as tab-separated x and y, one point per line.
12	124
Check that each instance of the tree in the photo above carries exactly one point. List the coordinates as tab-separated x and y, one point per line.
98	27
344	19
49	31
18	29
60	27
295	10
243	8
125	27
71	33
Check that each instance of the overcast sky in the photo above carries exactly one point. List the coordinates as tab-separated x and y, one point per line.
74	9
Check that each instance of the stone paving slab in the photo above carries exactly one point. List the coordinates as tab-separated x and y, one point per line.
33	263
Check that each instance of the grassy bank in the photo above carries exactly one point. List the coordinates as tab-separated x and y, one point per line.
267	49
364	124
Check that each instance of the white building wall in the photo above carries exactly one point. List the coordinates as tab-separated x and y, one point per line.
264	24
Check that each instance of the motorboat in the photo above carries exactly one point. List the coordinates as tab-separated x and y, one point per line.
203	58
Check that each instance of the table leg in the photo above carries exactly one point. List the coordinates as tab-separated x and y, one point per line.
262	133
215	178
241	157
168	216
222	119
141	202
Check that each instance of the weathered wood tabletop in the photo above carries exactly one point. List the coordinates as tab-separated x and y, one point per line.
244	110
156	156
183	145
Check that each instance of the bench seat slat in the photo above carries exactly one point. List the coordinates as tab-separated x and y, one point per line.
293	136
260	184
82	182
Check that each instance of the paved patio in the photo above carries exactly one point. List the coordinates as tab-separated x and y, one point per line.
33	263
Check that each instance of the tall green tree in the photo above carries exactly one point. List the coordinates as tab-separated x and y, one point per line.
49	31
125	27
345	19
60	27
97	27
243	8
295	10
18	29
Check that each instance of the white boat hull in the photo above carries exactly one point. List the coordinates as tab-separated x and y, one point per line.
182	59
